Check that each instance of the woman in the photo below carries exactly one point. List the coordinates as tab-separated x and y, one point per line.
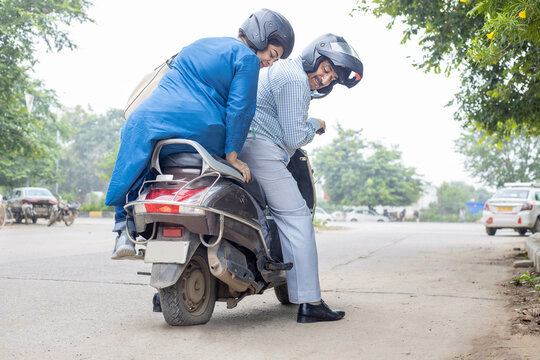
208	96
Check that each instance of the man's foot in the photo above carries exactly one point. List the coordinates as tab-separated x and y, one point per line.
308	313
124	247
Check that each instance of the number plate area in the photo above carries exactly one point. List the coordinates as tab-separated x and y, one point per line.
172	252
505	208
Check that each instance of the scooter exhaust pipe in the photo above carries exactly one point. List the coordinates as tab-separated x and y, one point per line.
229	265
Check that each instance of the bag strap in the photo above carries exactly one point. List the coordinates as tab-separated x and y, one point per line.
168	61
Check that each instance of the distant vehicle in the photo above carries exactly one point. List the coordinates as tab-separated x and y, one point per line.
366	215
322	215
516	206
339	216
64	212
29	204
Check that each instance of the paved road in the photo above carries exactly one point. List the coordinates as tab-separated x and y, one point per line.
411	291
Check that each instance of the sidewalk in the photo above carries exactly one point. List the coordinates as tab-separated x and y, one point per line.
532	245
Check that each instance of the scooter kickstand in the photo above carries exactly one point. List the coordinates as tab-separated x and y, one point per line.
232	303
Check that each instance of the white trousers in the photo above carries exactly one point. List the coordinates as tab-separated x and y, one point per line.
268	164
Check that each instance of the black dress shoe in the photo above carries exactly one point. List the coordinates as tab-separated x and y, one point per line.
308	313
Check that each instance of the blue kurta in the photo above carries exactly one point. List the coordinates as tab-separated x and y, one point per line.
209	96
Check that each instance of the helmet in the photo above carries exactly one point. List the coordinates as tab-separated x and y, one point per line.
264	25
342	56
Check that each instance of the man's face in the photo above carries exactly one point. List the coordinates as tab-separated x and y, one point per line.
323	76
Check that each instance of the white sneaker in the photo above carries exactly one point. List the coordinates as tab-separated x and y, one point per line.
123	247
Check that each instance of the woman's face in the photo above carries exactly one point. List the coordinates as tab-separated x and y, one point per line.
270	55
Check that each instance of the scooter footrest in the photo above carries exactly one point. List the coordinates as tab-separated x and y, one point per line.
277	266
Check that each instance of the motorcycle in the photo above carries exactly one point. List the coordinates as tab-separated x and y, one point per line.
65	212
199	224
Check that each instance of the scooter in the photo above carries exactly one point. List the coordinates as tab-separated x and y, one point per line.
199	225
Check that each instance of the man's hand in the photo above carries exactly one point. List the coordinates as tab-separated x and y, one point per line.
239	165
322	127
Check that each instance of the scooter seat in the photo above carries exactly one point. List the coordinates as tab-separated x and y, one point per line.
184	160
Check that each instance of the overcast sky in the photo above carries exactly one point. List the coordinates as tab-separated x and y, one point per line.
395	104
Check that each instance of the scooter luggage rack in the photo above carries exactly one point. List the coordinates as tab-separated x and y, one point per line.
208	163
202	209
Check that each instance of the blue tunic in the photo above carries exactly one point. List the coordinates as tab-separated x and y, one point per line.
209	96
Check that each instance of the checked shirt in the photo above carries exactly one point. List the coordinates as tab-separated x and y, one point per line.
283	97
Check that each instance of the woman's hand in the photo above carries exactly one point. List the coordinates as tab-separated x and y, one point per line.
239	165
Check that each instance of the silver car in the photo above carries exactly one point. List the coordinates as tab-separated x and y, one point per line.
29	204
365	215
516	206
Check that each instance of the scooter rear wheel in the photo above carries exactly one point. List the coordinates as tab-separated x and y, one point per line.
191	300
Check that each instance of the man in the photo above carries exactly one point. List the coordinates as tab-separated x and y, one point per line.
281	126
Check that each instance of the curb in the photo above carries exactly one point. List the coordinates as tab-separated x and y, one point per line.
96	214
532	245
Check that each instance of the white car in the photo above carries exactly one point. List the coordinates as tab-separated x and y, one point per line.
321	215
365	215
516	206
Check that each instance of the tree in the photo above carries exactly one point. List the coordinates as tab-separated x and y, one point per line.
496	162
107	162
495	46
93	138
30	157
360	173
339	164
453	196
26	131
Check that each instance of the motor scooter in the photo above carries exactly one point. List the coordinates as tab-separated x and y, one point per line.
199	225
65	212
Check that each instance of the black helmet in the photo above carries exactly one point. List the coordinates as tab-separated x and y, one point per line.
342	56
264	25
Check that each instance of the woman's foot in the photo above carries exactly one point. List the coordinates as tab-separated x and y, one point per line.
123	247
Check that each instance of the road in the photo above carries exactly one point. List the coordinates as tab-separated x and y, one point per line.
410	290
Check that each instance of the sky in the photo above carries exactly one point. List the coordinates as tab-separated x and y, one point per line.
394	104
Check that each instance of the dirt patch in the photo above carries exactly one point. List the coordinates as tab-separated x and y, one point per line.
524	300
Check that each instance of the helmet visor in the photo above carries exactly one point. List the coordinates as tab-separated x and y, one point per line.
344	48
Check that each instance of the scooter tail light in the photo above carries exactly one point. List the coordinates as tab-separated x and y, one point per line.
168	195
162	208
173	231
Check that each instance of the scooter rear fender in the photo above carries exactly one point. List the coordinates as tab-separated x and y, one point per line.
165	275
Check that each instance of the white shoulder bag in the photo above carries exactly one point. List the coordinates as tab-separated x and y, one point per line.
145	87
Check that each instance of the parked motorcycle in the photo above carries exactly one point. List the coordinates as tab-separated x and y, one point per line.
199	226
65	212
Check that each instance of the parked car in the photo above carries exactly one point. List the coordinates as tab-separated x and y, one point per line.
31	203
366	215
516	206
339	216
322	215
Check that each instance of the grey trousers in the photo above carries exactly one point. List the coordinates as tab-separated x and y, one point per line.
268	163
